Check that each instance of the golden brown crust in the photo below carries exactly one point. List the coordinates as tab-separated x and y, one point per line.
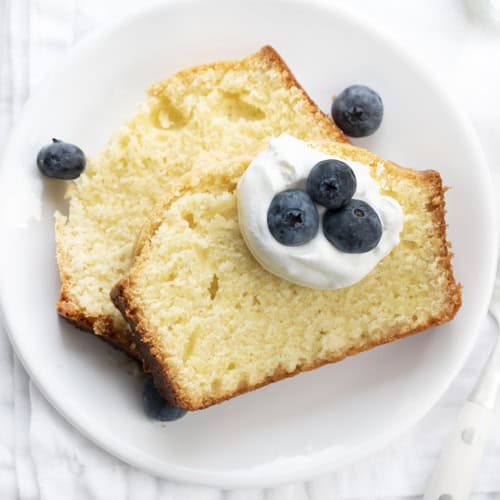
274	59
101	326
104	325
164	377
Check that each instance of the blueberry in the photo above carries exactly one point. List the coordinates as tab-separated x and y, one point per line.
156	407
293	218
358	111
61	160
331	183
355	228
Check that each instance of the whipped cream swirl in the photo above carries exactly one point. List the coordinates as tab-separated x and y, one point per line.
317	264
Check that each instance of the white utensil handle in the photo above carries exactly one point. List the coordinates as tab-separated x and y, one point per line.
456	470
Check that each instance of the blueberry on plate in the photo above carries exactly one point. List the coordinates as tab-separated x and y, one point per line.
355	228
156	407
358	111
331	183
293	218
61	160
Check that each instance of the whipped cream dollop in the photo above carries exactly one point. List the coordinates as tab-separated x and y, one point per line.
317	264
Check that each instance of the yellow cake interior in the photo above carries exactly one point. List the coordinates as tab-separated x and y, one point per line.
219	324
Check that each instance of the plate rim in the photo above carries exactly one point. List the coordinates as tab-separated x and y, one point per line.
291	469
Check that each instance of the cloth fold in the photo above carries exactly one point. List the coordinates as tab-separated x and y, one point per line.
48	459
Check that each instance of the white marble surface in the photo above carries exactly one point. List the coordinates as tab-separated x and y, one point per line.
463	53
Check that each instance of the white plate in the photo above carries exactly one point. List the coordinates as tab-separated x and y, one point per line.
299	427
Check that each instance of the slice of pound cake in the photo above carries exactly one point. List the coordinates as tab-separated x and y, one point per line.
218	110
212	297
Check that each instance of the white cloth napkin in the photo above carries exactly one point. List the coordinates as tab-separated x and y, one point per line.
70	466
41	456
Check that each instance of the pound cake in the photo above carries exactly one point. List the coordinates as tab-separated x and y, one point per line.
223	109
212	323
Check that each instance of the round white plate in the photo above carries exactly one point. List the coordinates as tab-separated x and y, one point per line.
299	427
